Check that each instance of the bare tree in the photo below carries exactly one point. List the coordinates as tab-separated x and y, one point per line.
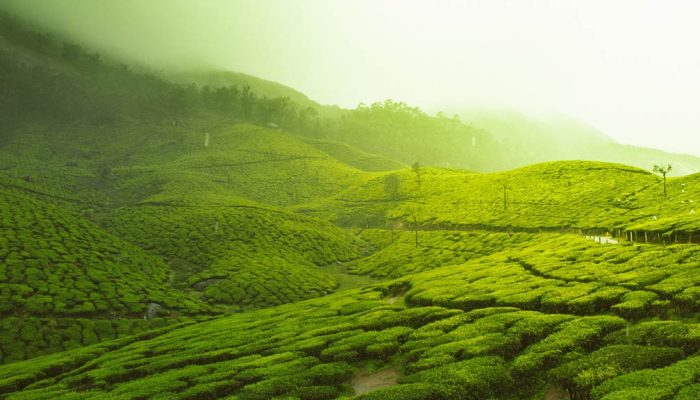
663	171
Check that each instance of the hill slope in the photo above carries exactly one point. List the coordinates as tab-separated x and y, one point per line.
496	329
176	244
561	138
559	196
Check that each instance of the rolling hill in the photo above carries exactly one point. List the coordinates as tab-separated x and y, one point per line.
166	241
540	139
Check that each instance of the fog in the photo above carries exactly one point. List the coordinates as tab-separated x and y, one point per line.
629	68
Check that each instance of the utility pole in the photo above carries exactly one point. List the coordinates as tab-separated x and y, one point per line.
505	196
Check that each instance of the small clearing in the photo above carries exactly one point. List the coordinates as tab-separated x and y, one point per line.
603	239
365	381
555	393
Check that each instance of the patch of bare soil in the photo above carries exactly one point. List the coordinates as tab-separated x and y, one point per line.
397	297
555	393
365	381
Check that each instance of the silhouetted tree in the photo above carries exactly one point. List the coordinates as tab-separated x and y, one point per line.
663	171
391	185
416	169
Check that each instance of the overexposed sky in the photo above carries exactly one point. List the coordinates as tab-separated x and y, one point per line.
629	67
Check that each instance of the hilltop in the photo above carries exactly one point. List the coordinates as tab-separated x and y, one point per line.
564	196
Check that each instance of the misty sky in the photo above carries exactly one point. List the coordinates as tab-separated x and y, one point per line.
630	68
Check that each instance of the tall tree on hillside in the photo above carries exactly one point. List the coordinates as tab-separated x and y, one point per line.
391	185
663	171
417	170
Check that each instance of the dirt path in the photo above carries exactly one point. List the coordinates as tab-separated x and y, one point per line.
603	239
365	381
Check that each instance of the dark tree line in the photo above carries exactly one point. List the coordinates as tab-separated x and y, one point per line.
44	79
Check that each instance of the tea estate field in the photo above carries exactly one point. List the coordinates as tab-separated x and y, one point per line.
247	263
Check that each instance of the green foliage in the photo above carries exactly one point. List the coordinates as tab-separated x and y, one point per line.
248	257
580	376
659	383
405	133
477	378
58	263
188	206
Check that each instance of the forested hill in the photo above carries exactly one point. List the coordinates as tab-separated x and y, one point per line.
47	80
52	81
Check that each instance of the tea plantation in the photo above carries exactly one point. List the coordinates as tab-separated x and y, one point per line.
482	297
245	256
493	328
558	196
170	241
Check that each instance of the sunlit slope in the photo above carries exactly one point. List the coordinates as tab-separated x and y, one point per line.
355	157
244	256
242	161
400	253
672	217
558	195
566	273
503	328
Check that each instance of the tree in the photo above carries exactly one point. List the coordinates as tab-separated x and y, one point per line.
663	171
391	185
417	171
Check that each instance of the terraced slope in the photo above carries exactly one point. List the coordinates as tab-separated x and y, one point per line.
64	282
244	256
159	162
398	254
504	327
56	263
169	199
241	161
354	157
566	195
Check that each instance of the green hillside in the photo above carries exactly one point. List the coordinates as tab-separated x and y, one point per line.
262	87
242	256
559	196
62	279
161	240
354	157
56	263
514	323
540	139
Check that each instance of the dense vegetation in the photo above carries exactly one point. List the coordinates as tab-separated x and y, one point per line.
559	196
448	339
162	240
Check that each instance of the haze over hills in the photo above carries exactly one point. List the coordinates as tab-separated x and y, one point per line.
483	142
233	239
